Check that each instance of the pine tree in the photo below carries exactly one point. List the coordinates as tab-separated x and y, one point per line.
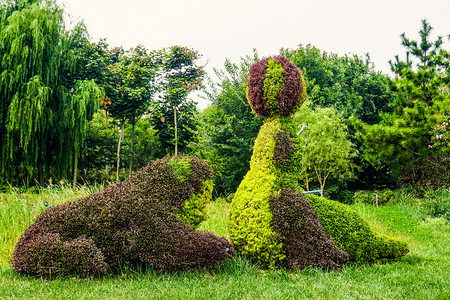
421	85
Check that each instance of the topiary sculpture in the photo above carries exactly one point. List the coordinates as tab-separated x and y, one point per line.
271	221
145	219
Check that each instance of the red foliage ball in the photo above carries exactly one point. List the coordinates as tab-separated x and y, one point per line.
290	99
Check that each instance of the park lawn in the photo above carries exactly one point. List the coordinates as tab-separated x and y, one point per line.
423	274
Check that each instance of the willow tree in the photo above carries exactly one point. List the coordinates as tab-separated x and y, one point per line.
37	86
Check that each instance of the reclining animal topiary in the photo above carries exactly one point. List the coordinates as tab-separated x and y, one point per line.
148	218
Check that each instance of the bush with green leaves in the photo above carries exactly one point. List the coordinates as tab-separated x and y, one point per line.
437	203
353	234
374	197
145	219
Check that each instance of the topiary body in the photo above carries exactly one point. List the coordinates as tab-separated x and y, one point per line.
271	221
144	219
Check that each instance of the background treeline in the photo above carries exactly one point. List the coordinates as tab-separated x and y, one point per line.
79	111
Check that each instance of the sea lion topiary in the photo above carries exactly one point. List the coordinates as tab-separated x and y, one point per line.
146	219
271	221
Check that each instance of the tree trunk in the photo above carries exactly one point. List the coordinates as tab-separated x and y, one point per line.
40	171
176	136
132	148
118	150
75	167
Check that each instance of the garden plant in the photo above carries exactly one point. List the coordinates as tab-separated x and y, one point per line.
271	221
148	219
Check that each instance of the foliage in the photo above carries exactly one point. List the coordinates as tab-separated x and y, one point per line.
353	234
422	102
323	149
374	197
353	87
437	203
250	224
194	211
284	149
228	127
129	85
45	103
99	151
275	87
440	138
303	237
348	83
131	222
181	168
179	75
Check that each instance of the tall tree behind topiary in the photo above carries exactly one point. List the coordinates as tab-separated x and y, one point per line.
175	114
228	127
41	96
422	102
130	85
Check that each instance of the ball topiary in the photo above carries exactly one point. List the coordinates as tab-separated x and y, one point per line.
275	87
145	219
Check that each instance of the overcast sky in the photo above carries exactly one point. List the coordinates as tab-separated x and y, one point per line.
221	29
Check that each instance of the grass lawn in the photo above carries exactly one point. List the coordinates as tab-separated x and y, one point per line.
423	274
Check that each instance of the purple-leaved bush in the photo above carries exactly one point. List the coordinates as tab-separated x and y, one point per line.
132	222
305	242
294	89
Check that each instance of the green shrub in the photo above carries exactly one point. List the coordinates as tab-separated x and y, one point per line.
353	234
181	168
132	222
250	226
437	203
372	197
194	211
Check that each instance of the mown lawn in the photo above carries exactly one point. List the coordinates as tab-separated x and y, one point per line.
423	274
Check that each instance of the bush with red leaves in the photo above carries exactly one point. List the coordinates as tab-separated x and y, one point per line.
271	96
304	239
128	223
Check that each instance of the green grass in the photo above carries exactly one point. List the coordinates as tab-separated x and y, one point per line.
422	274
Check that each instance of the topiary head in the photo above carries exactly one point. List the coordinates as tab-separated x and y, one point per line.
275	87
195	175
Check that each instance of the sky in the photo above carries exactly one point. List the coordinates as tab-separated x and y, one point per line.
220	29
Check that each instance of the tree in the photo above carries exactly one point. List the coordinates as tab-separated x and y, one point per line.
176	115
422	102
323	149
129	86
44	105
228	127
348	83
